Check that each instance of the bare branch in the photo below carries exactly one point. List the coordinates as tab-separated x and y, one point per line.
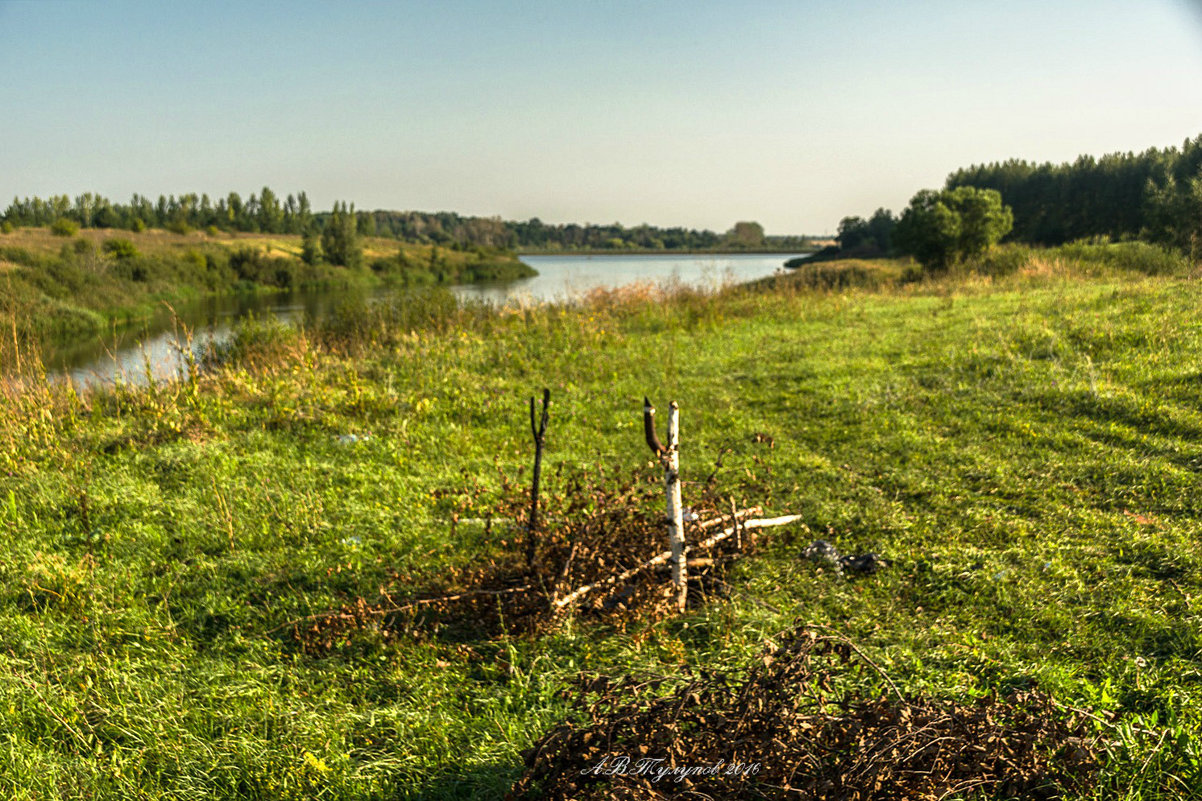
653	442
539	433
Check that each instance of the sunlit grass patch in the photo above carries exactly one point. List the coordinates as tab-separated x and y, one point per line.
1025	452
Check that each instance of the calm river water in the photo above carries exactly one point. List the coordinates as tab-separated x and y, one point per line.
155	345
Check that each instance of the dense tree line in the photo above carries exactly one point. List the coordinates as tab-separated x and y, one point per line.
871	237
1154	195
451	229
266	213
938	228
858	238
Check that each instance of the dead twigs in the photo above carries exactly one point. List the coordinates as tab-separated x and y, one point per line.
795	726
664	557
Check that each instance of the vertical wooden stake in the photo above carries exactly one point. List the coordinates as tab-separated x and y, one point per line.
675	513
669	455
539	433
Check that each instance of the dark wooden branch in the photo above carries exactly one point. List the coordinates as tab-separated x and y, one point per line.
539	433
712	479
653	442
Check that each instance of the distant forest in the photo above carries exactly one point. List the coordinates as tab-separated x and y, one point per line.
267	213
1155	195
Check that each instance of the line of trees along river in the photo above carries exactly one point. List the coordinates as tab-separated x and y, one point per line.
266	212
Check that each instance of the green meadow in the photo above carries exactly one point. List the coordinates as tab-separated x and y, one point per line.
1023	442
80	282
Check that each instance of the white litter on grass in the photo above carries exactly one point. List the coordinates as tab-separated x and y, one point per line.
350	439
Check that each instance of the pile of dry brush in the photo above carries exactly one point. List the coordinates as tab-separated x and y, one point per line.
595	557
781	731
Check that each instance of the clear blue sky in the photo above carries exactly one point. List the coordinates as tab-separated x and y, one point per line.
673	113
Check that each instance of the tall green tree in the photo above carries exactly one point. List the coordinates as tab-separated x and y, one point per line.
304	214
942	228
270	214
366	224
310	249
984	219
875	233
852	232
928	230
340	237
746	234
236	212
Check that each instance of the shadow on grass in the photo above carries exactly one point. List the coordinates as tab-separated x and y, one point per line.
476	783
1118	410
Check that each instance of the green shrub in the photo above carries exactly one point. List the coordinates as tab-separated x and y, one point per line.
82	246
22	256
835	276
487	269
254	266
355	320
64	227
7	228
256	340
941	229
137	226
134	269
194	260
120	249
218	275
1137	257
310	250
212	230
178	227
1002	261
247	264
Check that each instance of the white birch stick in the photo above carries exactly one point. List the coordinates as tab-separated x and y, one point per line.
666	556
717	521
676	544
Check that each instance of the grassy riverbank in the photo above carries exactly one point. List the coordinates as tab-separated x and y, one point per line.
56	286
1025	449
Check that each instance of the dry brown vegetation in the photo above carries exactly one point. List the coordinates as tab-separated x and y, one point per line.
791	728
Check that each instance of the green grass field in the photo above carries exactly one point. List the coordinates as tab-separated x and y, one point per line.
1025	449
